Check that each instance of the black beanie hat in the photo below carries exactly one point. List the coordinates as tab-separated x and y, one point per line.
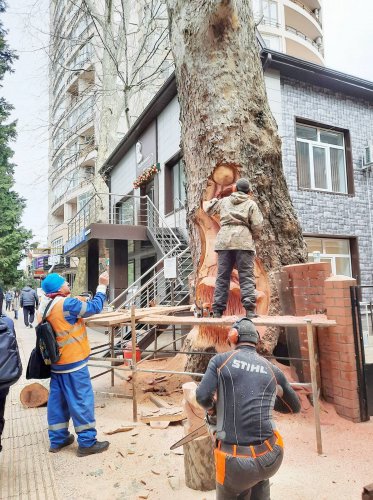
243	185
246	331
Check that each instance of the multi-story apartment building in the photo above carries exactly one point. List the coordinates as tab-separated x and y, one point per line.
72	119
76	81
292	26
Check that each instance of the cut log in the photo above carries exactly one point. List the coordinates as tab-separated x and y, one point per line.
163	414
198	454
199	464
34	395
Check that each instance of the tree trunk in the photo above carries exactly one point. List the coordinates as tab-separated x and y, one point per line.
199	464
228	132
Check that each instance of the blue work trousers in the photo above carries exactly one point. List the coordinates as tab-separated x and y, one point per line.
71	396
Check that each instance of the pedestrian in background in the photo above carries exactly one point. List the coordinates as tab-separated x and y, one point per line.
8	300
15	304
1	300
28	300
71	393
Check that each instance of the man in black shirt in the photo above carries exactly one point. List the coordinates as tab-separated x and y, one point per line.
243	388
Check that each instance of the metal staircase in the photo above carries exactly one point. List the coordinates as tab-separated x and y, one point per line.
152	288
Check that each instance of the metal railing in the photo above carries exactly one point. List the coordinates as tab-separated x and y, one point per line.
260	19
151	288
298	33
308	10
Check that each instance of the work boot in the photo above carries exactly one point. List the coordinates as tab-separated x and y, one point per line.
98	447
68	441
250	313
217	314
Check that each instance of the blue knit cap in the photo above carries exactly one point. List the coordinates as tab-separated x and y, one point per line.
52	283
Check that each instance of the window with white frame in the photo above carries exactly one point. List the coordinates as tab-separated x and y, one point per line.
321	159
266	11
178	184
333	250
272	42
57	246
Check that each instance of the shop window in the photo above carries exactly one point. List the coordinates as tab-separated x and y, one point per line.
57	246
334	250
322	161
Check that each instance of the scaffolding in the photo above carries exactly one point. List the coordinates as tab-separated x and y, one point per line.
158	316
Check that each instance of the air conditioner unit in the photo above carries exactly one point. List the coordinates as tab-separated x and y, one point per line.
368	155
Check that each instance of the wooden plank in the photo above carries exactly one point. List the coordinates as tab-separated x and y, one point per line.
315	391
115	318
316	320
174	414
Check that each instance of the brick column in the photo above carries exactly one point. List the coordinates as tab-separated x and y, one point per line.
305	283
337	350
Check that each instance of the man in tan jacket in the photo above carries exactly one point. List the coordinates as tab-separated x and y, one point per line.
241	223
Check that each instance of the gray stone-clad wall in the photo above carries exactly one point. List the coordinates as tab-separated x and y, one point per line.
325	213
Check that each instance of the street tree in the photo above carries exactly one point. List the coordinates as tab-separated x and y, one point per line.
228	131
13	237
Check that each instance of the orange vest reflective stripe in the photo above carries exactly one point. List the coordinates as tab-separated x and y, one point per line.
72	339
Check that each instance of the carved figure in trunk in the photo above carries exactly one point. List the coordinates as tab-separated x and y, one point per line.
228	132
241	223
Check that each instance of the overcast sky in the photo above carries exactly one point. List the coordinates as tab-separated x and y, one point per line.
348	43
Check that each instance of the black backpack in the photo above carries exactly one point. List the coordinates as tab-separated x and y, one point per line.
10	360
46	340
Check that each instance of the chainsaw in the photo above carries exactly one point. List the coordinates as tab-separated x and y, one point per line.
208	427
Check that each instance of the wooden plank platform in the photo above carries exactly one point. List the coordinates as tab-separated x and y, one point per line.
297	321
121	317
159	318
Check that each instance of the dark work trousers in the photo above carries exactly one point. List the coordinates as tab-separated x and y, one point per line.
3	395
245	265
28	314
8	305
248	478
261	491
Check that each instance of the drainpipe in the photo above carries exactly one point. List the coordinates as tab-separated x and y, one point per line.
367	178
267	61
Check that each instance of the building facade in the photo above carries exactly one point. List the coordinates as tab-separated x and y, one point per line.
325	121
73	120
292	26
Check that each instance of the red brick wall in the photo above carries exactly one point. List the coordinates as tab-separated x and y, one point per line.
315	291
337	350
307	284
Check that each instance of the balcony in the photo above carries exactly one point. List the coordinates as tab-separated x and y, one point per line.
312	4
127	210
302	18
69	193
299	45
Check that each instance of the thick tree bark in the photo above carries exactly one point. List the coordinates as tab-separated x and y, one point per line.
228	132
